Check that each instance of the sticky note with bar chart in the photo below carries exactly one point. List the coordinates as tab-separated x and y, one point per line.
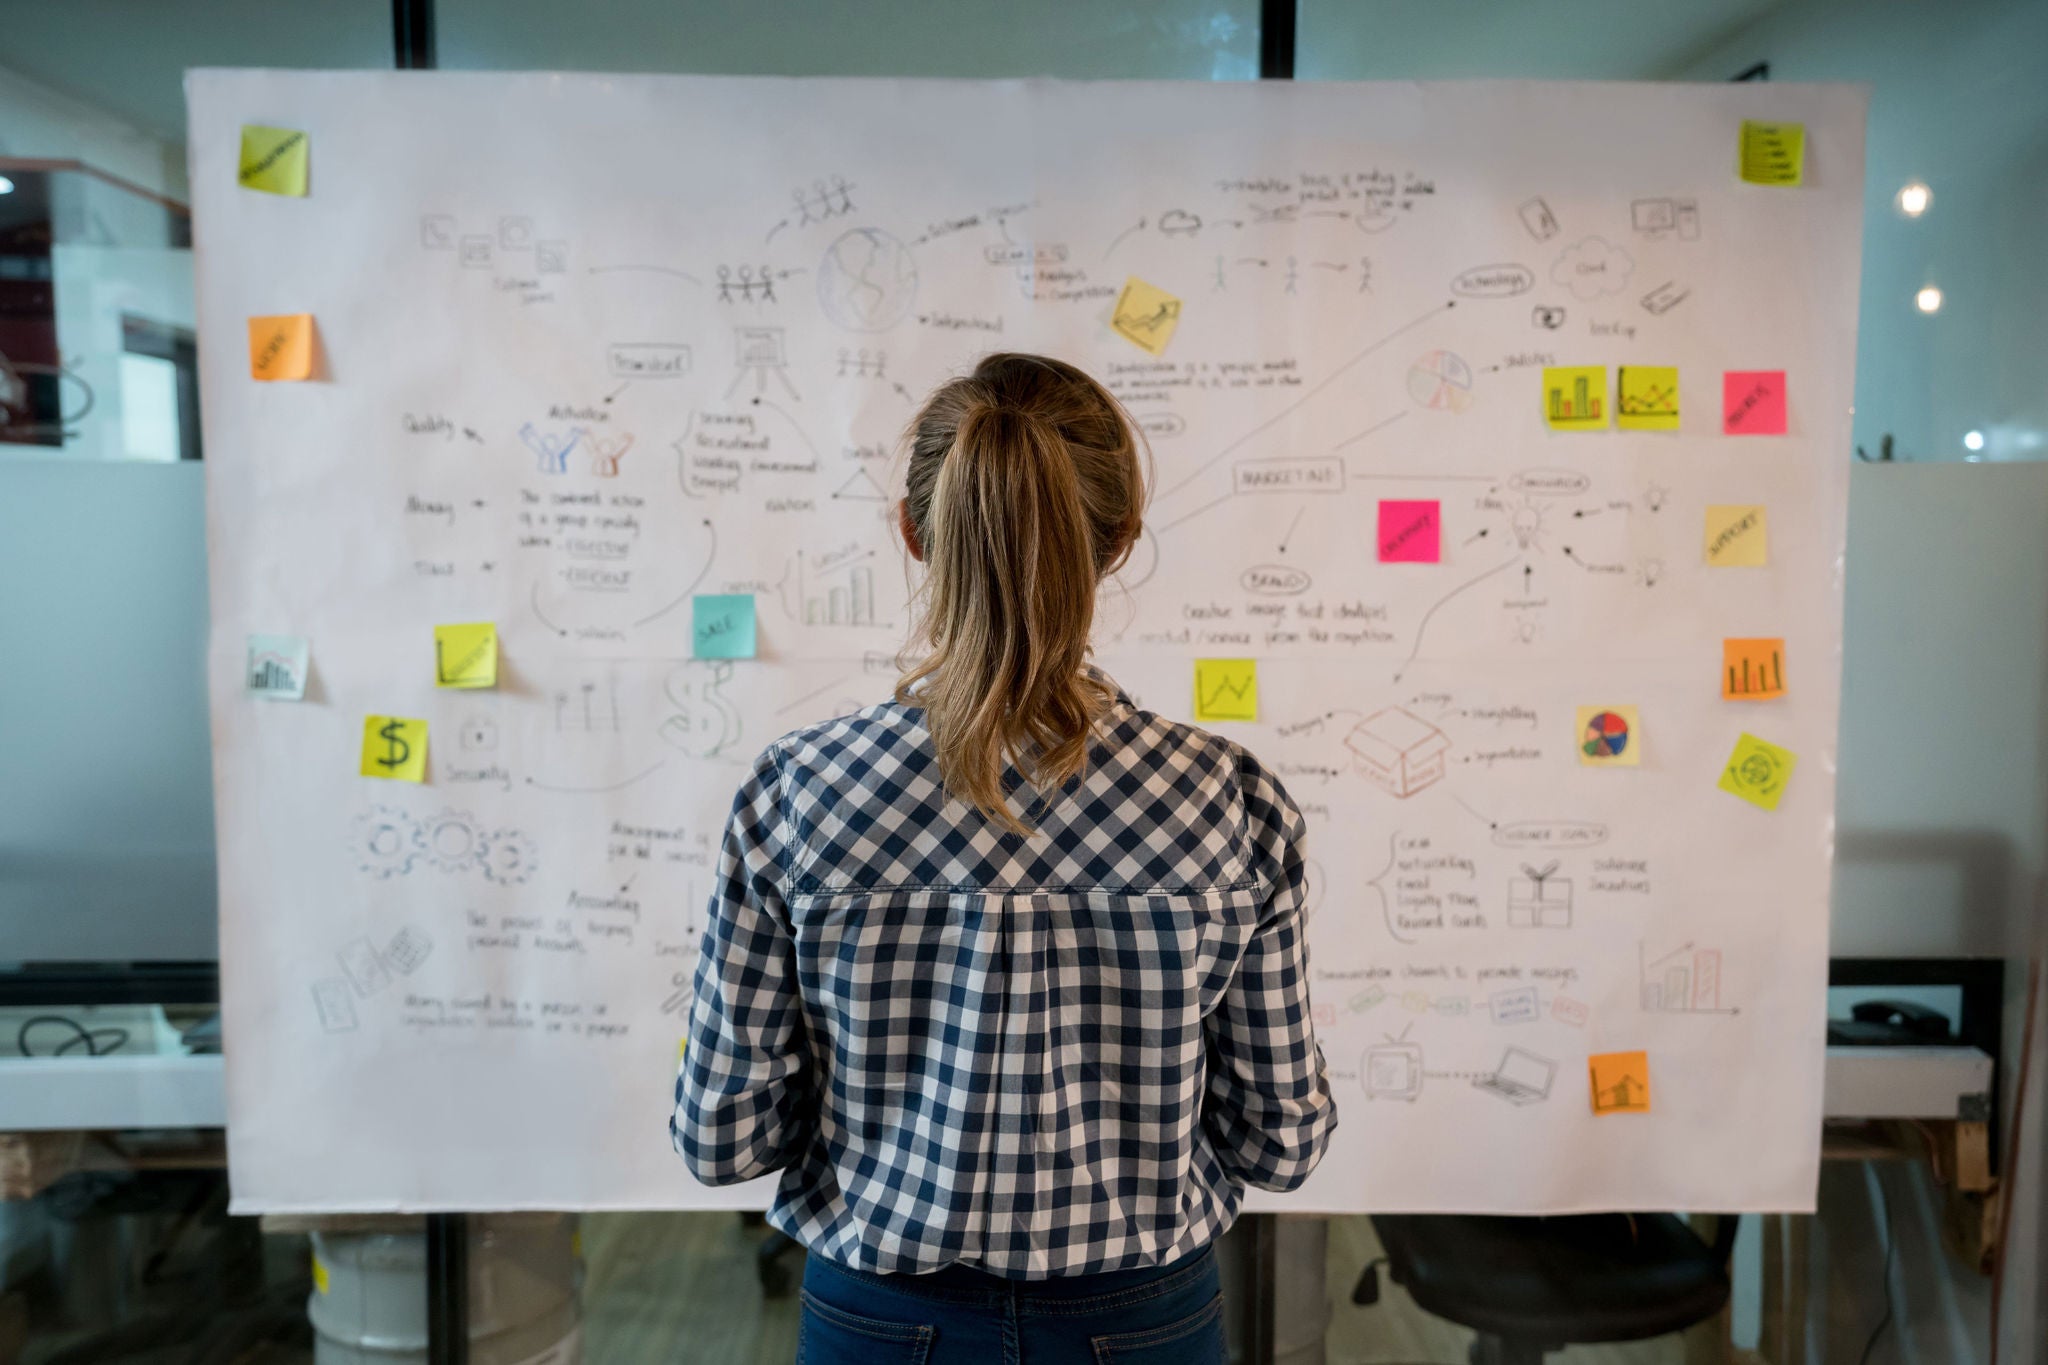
1574	397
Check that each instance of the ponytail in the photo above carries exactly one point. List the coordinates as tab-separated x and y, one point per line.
1024	491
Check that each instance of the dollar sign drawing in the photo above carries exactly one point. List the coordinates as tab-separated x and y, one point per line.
396	750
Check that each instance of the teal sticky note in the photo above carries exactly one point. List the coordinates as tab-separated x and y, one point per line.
722	626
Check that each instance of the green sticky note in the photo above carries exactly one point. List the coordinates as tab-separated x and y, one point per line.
722	626
466	655
1757	771
274	160
1773	153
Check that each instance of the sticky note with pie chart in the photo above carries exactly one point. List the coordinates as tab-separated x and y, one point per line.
1610	737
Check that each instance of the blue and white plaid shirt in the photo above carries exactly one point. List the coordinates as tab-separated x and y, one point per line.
1046	1055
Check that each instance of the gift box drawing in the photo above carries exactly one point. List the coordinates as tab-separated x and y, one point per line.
1539	899
1398	750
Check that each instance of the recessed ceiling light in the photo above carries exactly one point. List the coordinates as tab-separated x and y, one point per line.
6	185
1973	440
1928	300
1913	199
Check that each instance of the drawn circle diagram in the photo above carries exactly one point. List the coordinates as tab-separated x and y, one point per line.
1758	770
867	281
449	840
1606	736
1441	380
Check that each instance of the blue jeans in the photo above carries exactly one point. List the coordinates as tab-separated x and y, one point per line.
1161	1315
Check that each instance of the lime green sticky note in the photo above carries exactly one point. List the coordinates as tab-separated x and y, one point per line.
274	160
1757	771
466	655
395	747
1226	689
1649	398
722	625
1773	153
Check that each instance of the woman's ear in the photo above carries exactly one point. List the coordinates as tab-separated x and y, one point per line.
909	529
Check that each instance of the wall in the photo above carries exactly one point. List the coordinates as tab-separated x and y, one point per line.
37	121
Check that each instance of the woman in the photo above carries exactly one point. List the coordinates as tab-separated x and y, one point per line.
1006	975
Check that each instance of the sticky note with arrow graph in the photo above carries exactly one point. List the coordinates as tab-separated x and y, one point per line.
1226	689
1145	315
1621	1082
1649	398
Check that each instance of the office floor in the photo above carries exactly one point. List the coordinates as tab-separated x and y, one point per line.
666	1287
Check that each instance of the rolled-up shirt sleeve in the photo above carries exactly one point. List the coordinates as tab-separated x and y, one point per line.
743	1101
1268	1111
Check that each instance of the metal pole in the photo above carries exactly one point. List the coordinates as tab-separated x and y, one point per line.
447	1289
412	34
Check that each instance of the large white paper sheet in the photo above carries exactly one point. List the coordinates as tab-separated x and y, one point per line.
587	348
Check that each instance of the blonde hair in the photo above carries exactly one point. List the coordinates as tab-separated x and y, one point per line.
1025	490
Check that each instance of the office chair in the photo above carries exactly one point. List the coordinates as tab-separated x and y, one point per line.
1533	1285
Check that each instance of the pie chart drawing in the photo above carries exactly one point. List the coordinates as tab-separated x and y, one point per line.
1606	736
1441	380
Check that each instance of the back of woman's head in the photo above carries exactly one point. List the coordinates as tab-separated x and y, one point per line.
1025	490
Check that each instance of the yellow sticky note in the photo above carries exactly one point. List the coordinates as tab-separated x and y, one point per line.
1752	670
1757	772
466	656
1574	397
1145	315
1610	737
1773	153
1649	398
1621	1082
1738	536
395	747
682	1046
319	1274
1226	689
281	347
274	160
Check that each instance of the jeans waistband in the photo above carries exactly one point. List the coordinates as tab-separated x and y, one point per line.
960	1282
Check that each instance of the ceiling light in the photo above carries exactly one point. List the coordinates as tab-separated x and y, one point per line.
6	185
1913	199
1973	440
1928	300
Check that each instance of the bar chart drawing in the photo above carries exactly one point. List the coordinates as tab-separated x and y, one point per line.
1686	980
1578	404
840	595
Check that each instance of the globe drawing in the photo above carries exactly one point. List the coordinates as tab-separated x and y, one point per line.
867	281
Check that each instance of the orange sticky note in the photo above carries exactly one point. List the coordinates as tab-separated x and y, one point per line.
1621	1082
281	347
1752	670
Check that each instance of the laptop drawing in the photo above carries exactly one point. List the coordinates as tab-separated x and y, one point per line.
1521	1078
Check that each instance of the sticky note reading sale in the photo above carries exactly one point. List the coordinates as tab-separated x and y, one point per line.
1411	532
1773	153
1752	670
1753	403
1649	398
1757	772
1145	315
395	747
274	160
1226	689
466	656
281	347
722	626
1738	536
1621	1082
1574	397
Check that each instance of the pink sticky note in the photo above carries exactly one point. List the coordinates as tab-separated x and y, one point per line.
1409	532
1753	403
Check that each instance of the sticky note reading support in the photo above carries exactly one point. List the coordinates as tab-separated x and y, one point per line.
1757	772
466	656
281	347
1610	737
1145	315
274	160
1410	532
1226	689
1574	397
1738	536
277	667
722	626
395	747
1752	670
1753	403
1648	398
1773	153
1621	1082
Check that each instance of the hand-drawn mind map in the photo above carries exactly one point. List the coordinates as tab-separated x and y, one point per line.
1453	513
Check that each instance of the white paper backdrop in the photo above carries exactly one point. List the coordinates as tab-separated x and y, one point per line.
592	345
